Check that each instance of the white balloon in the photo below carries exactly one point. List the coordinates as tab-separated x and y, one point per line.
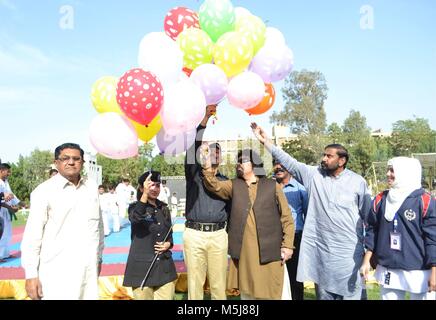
184	107
274	38
161	55
114	136
241	12
246	90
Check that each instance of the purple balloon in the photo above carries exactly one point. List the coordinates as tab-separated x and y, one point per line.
273	64
172	145
212	80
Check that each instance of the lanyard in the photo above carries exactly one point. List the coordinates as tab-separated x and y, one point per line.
395	222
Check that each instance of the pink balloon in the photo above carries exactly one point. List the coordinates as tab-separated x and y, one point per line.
212	80
184	108
140	95
246	90
172	145
113	136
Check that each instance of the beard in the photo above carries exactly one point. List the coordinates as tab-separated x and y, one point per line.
325	167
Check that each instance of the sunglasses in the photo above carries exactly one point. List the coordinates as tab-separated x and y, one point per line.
279	170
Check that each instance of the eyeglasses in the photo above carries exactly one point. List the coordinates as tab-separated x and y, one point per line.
67	159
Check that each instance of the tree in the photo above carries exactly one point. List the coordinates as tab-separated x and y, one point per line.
307	149
304	94
29	172
132	168
334	133
357	139
412	136
355	127
383	149
169	166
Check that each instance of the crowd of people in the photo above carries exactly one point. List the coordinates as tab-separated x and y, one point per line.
307	223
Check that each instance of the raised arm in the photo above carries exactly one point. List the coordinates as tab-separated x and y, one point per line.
222	189
191	160
302	172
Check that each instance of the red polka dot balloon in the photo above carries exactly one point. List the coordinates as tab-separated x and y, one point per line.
140	95
179	19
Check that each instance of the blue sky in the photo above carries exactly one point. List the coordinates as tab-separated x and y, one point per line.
46	72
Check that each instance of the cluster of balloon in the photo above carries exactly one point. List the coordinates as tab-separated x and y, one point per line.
199	59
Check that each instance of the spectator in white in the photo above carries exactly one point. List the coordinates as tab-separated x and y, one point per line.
11	204
63	240
104	212
401	233
332	249
126	195
174	205
165	193
112	208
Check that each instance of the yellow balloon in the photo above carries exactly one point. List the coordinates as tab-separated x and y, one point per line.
146	133
233	53
253	28
104	95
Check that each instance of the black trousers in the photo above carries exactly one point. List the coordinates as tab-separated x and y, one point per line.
297	288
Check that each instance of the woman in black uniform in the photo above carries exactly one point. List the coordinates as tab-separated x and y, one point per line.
150	222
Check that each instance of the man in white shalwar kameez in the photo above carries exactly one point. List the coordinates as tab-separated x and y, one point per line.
63	241
126	194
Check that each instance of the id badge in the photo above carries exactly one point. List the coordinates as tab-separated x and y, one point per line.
395	241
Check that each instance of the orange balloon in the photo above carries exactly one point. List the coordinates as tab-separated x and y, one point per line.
267	102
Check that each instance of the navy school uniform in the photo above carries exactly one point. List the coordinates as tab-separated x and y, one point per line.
418	234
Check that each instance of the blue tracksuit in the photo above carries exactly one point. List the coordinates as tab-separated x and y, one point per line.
418	234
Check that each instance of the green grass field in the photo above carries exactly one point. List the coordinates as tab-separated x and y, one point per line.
21	219
372	291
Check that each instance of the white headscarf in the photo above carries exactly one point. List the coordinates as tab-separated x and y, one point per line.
407	179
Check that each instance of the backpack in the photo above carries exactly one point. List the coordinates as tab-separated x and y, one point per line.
425	200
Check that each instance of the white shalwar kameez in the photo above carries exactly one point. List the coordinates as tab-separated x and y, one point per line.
63	240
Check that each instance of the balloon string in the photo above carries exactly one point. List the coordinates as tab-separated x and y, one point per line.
215	118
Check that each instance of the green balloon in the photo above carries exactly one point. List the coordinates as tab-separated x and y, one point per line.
217	17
